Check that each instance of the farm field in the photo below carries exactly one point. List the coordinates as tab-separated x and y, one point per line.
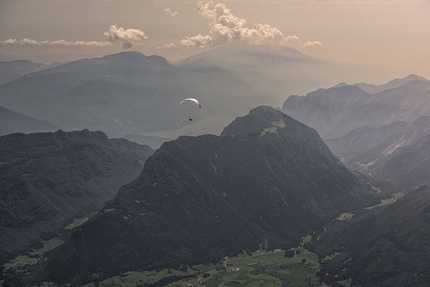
260	269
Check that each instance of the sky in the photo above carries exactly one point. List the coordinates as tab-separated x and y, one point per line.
379	33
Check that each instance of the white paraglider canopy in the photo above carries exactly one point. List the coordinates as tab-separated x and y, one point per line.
192	100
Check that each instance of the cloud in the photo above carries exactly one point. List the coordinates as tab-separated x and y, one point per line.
311	44
29	42
198	41
225	27
170	13
167	46
127	38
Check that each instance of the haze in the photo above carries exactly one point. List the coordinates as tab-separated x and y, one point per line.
385	33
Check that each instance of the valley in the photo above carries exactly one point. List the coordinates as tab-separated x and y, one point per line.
106	181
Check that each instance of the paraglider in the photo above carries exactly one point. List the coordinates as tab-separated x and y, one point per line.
195	103
192	100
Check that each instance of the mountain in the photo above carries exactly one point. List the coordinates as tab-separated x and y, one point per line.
326	109
267	179
407	167
49	179
152	141
48	59
12	122
126	93
282	71
384	247
336	111
13	70
372	89
365	144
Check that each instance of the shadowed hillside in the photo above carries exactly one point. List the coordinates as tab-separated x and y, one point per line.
388	246
49	179
267	179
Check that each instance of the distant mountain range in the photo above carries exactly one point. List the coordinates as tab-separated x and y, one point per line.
267	179
382	135
49	179
336	111
373	89
387	246
283	71
13	70
126	93
130	93
12	122
366	144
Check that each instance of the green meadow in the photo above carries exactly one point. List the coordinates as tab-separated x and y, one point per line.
260	269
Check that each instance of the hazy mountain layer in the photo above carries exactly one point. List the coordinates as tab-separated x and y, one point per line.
366	144
373	89
336	111
11	122
13	70
282	71
385	247
126	93
49	179
267	179
407	167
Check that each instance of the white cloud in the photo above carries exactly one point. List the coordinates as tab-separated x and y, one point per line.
29	42
170	13
311	44
167	46
225	27
198	41
127	38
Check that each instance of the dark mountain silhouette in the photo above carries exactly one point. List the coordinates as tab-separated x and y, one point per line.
387	246
266	179
125	93
49	179
12	122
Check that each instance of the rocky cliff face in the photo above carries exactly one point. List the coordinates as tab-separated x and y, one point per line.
49	179
267	178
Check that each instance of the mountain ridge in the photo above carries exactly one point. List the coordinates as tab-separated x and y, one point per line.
201	198
387	246
50	179
12	122
125	93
